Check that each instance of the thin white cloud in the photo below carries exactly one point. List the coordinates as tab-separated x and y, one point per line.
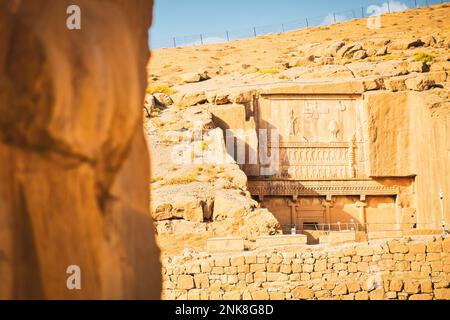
393	6
330	19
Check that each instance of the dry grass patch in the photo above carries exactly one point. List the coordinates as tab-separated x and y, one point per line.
423	57
161	89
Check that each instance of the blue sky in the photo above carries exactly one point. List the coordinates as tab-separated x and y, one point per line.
179	18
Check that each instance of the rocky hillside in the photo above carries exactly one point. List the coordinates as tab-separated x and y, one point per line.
268	57
197	190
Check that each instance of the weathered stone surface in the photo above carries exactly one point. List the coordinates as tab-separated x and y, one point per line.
232	295
348	50
382	51
340	289
163	99
377	294
334	48
417	66
74	174
397	247
360	54
149	104
303	293
225	244
185	282
230	204
260	294
364	250
192	77
397	83
337	237
419	83
280	240
442	294
405	44
411	286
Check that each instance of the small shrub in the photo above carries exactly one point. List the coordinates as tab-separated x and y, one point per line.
269	71
424	57
161	89
391	57
250	70
182	179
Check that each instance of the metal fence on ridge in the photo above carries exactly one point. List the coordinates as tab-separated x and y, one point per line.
378	7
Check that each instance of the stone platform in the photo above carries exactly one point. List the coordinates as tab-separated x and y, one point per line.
337	237
280	240
225	244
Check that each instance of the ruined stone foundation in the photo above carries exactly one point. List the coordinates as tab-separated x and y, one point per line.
413	269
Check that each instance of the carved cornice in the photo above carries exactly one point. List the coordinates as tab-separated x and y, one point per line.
321	188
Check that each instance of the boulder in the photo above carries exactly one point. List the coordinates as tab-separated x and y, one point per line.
392	68
231	204
242	96
260	222
371	52
397	83
325	60
417	66
382	51
163	99
348	50
217	98
149	104
405	44
378	42
333	48
193	77
187	207
419	83
362	68
360	54
189	99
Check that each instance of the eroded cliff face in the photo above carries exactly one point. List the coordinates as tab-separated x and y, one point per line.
74	164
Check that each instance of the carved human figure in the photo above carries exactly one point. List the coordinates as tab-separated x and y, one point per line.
333	129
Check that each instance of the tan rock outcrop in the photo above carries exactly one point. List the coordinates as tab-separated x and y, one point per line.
74	166
206	193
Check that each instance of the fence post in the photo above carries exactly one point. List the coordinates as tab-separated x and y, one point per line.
389	7
415	3
334	17
228	36
174	43
362	12
201	39
254	31
307	23
354	15
282	27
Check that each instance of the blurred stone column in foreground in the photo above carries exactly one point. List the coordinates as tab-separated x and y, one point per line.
74	168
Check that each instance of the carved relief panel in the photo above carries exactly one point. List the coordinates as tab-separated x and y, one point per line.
320	137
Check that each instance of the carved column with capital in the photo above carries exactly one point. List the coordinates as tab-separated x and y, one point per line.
362	211
327	204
